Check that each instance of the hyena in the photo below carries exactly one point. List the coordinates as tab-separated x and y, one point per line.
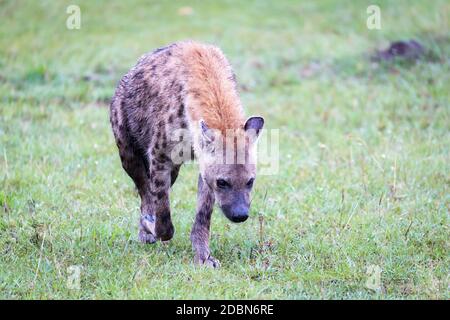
185	94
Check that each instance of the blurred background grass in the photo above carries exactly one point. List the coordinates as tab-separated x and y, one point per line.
364	151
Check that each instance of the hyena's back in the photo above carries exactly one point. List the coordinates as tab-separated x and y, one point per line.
150	100
147	98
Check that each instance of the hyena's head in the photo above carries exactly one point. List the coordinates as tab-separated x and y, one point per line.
228	165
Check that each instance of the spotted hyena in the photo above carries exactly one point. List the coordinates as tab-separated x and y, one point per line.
176	99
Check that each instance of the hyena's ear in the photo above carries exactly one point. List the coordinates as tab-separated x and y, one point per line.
207	135
253	127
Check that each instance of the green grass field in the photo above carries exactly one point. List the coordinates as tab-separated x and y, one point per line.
363	182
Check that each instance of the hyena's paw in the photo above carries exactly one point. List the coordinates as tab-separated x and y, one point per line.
164	231
147	229
145	237
209	261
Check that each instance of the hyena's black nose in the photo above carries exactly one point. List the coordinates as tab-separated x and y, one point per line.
240	214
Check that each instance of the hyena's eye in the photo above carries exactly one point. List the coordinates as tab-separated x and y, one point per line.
250	182
222	184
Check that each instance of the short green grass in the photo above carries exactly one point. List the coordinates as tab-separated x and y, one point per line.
364	153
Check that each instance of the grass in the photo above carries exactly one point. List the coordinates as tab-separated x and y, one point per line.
364	153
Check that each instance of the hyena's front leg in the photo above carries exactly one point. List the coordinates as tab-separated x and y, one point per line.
155	222
134	165
200	230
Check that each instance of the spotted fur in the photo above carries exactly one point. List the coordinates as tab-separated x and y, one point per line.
183	92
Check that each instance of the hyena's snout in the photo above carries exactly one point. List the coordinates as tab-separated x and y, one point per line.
240	214
235	204
236	213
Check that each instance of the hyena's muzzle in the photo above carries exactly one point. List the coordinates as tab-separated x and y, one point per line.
237	208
